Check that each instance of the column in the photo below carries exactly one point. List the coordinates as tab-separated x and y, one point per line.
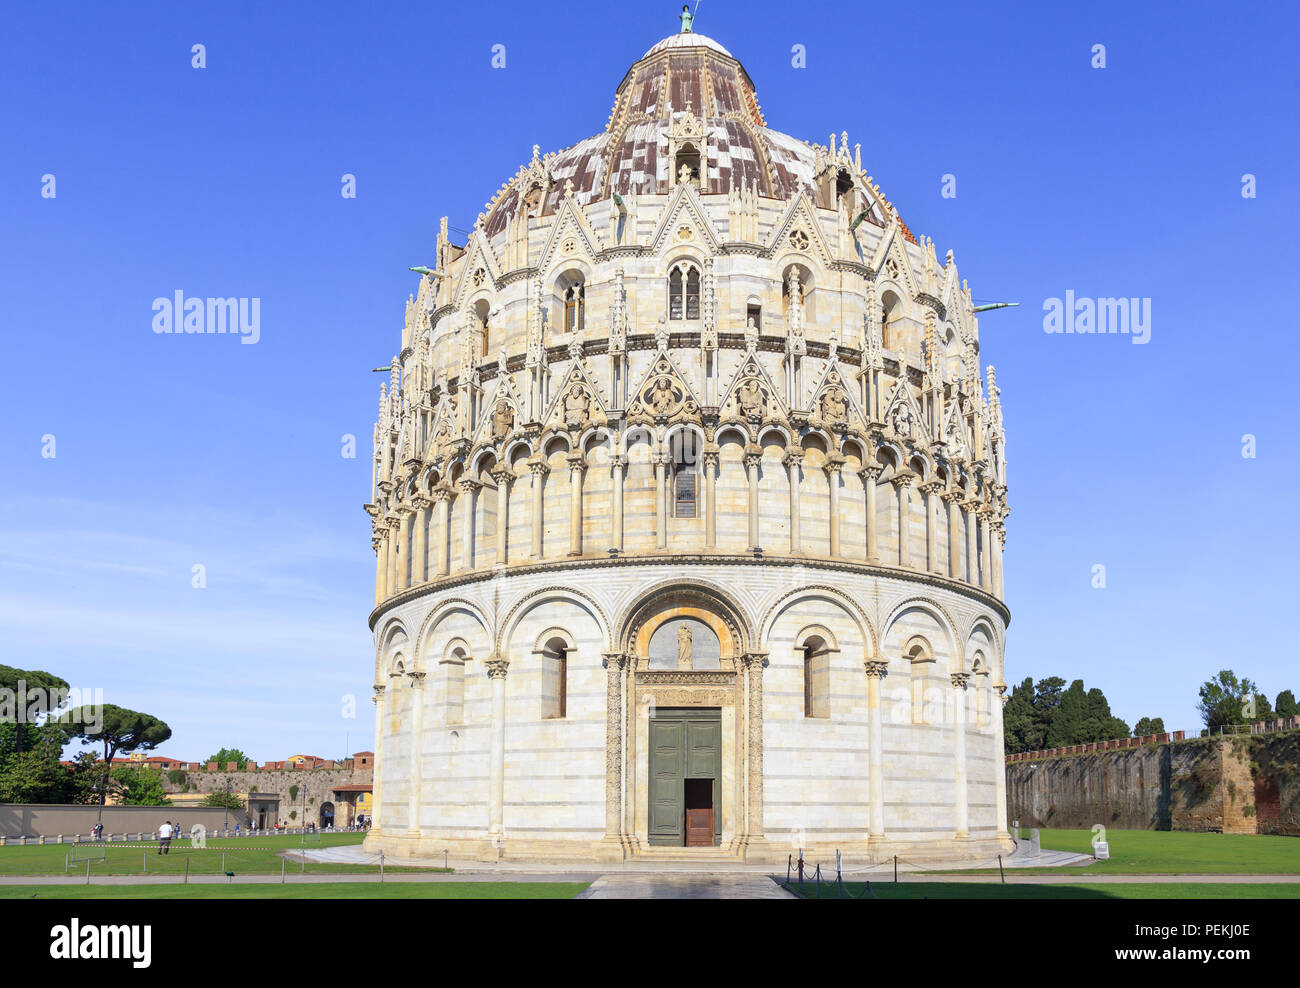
833	482
442	495
504	477
417	725
1000	789
380	544
869	475
950	498
617	462
901	484
390	584
986	572
999	537
577	465
468	488
661	513
972	550
959	680
754	661
403	547
614	662
710	499
752	460
875	729
931	495
420	552
540	470
792	460
497	669
377	698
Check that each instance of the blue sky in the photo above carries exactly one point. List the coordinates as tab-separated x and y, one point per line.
224	181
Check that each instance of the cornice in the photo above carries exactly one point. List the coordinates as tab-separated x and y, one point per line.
770	561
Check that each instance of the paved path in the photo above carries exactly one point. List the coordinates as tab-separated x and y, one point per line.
357	855
727	886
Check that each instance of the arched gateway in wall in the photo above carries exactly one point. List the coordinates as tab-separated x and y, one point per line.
688	509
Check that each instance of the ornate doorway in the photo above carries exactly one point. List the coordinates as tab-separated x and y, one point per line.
685	777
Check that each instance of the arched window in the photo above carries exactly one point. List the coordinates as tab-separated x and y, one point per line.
922	668
799	273
687	166
555	678
481	320
816	676
889	311
575	305
453	686
684	292
684	479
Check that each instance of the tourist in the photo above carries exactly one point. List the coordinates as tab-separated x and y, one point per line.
165	838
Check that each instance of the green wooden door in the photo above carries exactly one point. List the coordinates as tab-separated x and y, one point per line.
704	761
684	744
667	736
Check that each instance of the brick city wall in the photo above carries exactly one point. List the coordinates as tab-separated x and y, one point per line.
1234	784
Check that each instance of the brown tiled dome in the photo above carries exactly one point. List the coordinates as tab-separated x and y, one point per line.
683	74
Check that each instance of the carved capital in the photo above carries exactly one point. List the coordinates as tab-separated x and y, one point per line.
902	480
497	668
876	668
870	472
960	679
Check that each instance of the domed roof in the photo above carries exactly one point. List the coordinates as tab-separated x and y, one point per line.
687	39
687	82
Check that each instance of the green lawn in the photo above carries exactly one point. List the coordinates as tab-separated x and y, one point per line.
1135	890
1163	852
243	856
274	890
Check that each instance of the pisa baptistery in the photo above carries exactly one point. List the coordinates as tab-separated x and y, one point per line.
688	508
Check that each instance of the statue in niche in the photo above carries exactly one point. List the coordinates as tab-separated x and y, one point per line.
753	400
902	420
684	638
662	397
503	420
576	406
834	407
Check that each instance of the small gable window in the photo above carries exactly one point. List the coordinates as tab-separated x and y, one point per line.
684	292
575	304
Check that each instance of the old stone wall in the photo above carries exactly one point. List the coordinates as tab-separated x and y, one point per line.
1244	784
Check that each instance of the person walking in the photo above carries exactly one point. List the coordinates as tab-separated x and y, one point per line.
165	838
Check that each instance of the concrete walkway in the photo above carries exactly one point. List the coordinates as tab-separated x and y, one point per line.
685	887
355	854
647	886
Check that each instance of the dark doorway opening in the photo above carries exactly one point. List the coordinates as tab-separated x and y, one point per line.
699	812
685	773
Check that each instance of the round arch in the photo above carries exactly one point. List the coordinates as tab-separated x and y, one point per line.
829	594
934	610
672	598
522	606
424	641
